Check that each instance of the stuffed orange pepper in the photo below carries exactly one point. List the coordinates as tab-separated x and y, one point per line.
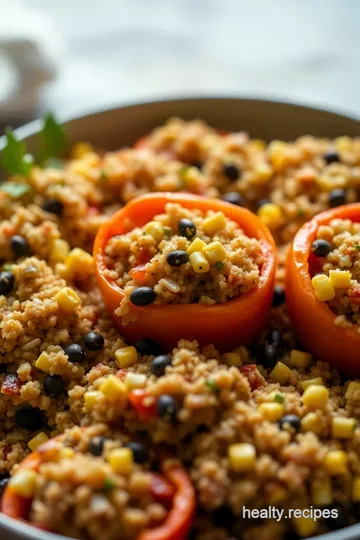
323	286
96	479
179	266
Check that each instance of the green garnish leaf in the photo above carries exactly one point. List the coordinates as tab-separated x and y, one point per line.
212	385
219	265
109	484
183	172
16	190
14	158
279	398
300	212
54	163
54	138
167	232
103	176
7	267
357	247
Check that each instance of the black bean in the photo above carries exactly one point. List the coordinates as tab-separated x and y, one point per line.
148	347
234	198
53	206
338	518
96	445
53	385
142	296
3	484
177	258
75	352
159	364
31	419
337	197
187	228
291	420
274	337
94	341
167	407
320	247
20	246
139	450
270	355
231	171
279	296
6	282
198	164
331	157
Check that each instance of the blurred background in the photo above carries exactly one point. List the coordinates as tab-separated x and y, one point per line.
82	54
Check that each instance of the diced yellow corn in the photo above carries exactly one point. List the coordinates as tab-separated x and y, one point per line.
310	422
24	483
261	174
232	359
315	397
155	229
244	354
343	428
121	460
277	495
340	279
91	399
80	149
300	359
79	264
336	462
37	441
278	155
67	453
343	143
199	262
323	288
59	251
321	492
214	252
214	223
191	178
271	411
305	526
271	215
126	357
113	388
356	489
281	373
135	380
43	362
352	390
327	182
67	299
196	245
310	382
242	456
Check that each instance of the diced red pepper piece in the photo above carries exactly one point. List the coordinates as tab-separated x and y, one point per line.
11	385
251	372
138	399
161	489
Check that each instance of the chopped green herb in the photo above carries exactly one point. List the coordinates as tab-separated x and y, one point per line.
167	232
103	176
219	265
212	385
109	484
14	158
7	267
16	190
183	172
54	163
357	246
279	398
54	139
300	212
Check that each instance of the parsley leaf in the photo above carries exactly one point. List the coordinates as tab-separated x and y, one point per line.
357	246
212	385
109	484
14	158
219	265
279	398
54	138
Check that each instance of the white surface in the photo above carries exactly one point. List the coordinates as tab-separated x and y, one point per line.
120	50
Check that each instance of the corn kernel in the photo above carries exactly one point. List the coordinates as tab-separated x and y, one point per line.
214	223
343	143
199	263
67	453
352	390
121	460
80	149
271	411
37	441
91	399
271	215
196	245
277	495
311	382
321	492
232	359
79	264
244	354
126	357
310	422
323	288
67	299
261	174
315	397
340	279
43	362
214	252
328	182
305	526
356	489
135	380
155	229
343	428
242	456
59	251
277	155
24	483
113	388
281	373
336	462
300	359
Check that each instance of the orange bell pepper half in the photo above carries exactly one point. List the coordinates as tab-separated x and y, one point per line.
228	325
313	319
